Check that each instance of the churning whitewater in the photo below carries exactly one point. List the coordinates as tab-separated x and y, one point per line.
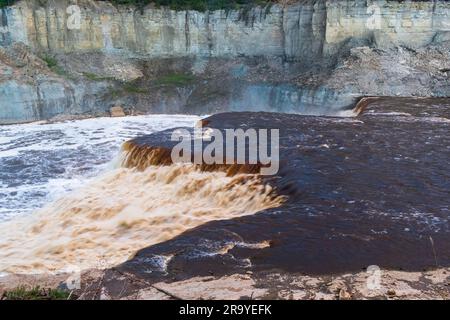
41	162
108	218
124	210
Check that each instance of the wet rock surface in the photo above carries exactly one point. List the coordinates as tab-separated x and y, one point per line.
115	285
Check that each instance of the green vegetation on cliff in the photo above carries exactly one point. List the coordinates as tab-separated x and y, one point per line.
4	3
178	80
96	77
52	64
199	5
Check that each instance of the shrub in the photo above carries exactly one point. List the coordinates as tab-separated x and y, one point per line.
199	5
36	293
5	3
176	79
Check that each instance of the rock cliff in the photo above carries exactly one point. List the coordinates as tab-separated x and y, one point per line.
83	57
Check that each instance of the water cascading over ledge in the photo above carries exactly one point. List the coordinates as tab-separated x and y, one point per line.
122	211
358	187
358	192
139	155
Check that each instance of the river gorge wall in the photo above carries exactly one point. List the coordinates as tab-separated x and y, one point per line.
82	57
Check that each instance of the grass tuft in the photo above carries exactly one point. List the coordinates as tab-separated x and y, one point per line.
178	80
95	77
36	293
132	88
52	64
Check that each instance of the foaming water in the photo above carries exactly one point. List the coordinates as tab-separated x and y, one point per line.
42	162
122	211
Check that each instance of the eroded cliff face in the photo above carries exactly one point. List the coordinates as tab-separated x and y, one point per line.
298	31
294	41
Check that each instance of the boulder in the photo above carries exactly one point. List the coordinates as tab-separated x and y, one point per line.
117	111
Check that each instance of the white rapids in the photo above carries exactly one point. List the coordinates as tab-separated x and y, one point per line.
41	162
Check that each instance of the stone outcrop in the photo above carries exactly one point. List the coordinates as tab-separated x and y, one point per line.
304	30
110	284
117	111
280	58
31	91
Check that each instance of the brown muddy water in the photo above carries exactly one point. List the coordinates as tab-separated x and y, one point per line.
371	190
350	193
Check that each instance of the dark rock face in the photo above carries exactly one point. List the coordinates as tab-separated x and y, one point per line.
363	191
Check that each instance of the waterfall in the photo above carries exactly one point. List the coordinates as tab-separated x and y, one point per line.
123	211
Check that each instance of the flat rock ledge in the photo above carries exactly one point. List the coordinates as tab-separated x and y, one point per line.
378	284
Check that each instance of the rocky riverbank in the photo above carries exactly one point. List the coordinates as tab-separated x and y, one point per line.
390	285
